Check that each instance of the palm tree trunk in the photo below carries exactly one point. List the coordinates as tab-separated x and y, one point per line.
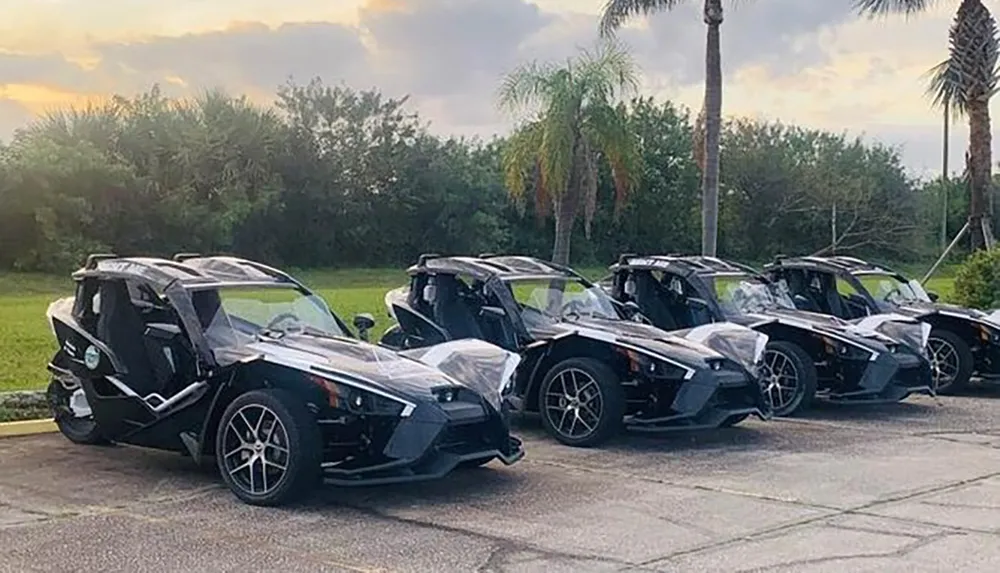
565	219
980	161
713	125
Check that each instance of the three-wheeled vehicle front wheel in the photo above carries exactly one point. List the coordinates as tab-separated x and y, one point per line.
72	414
268	447
951	361
789	377
582	402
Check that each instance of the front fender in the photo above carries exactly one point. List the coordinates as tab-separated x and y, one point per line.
739	343
479	365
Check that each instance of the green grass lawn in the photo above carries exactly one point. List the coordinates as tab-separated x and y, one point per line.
27	344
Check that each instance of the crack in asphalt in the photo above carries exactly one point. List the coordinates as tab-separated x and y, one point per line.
917	521
871	530
901	552
768	531
683	485
499	544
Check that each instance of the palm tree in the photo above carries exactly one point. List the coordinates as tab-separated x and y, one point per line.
964	82
616	13
580	122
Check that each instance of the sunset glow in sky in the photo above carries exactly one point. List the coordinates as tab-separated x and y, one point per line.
811	63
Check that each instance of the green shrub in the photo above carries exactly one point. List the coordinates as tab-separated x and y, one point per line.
977	283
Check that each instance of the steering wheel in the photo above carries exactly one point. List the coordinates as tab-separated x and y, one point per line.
280	318
573	307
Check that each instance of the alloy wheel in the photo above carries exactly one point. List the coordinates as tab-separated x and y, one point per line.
256	453
574	404
944	362
780	379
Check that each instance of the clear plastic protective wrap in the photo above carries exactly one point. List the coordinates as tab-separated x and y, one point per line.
736	342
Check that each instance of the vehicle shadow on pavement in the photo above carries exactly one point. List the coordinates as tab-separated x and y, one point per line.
985	390
751	433
900	411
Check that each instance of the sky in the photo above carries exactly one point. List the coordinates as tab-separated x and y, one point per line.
811	63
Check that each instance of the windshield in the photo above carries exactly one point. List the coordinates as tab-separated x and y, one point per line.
745	294
554	299
233	316
885	287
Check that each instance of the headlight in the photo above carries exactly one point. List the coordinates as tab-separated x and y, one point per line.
356	401
988	335
845	350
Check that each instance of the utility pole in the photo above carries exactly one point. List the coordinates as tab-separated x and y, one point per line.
944	180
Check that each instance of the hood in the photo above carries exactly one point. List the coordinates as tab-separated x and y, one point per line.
922	309
740	343
475	364
643	337
871	333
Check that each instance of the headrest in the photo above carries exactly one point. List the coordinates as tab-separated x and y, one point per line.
429	292
630	286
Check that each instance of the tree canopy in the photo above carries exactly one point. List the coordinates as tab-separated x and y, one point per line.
333	176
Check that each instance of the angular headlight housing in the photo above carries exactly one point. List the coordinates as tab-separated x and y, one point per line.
356	401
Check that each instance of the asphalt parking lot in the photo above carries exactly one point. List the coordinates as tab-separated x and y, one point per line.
911	487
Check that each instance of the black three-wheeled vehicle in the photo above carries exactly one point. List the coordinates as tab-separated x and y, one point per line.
808	354
585	368
232	359
963	342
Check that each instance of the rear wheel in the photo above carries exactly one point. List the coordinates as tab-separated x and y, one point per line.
789	377
268	448
581	402
72	414
951	361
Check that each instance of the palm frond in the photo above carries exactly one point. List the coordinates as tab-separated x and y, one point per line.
527	85
970	72
606	128
875	8
617	12
609	72
519	158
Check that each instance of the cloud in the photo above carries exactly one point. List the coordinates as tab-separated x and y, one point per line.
13	115
813	63
243	55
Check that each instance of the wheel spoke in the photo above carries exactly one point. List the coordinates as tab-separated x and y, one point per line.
267	448
576	410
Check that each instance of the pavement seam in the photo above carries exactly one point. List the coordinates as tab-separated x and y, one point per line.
499	543
901	552
687	486
811	520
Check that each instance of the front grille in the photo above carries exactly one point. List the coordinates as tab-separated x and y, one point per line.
731	398
465	438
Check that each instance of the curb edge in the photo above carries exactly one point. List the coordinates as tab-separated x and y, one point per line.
27	428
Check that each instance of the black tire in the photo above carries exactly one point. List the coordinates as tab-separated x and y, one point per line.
733	420
469	464
946	338
302	444
790	355
609	391
84	431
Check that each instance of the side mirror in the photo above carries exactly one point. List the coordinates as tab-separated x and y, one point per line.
163	330
492	311
364	322
932	295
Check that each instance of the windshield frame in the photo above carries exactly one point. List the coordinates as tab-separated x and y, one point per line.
919	294
232	320
588	287
728	308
